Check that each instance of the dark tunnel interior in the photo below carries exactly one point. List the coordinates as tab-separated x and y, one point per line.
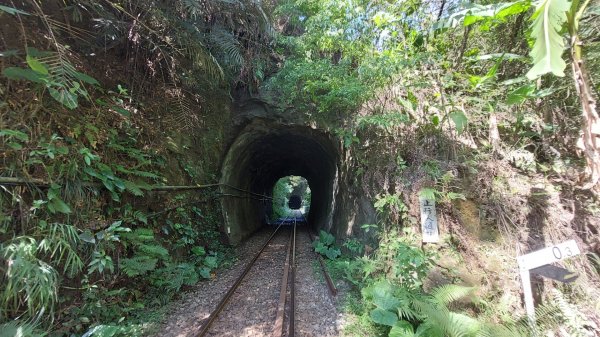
262	154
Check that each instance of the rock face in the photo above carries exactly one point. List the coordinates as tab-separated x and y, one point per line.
266	148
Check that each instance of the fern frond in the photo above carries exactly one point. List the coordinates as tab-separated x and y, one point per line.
139	235
133	188
193	8
548	317
138	265
574	320
156	251
449	293
495	330
405	308
183	112
76	32
65	82
459	325
172	277
193	44
228	46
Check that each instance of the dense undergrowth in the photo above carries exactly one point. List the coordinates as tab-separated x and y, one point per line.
463	102
101	101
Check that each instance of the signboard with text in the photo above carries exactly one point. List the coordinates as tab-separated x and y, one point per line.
429	225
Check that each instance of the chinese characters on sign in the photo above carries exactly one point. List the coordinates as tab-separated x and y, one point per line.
429	225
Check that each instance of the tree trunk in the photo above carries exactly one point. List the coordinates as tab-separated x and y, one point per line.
590	137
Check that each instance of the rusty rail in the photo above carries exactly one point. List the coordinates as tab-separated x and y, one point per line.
278	327
330	284
292	330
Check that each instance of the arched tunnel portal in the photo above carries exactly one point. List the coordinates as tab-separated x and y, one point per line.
262	153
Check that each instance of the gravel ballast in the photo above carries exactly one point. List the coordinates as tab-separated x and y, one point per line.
252	309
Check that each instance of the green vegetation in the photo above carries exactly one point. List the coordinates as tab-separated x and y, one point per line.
86	248
325	245
441	100
489	108
286	187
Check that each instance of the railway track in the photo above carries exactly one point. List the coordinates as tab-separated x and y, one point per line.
284	260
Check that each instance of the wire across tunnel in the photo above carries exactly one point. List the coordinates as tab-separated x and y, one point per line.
264	152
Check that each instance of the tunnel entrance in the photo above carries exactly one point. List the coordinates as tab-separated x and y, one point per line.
290	193
263	153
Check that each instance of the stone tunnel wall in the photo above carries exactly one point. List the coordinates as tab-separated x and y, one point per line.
267	146
265	151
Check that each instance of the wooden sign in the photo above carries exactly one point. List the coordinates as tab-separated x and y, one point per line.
537	261
429	225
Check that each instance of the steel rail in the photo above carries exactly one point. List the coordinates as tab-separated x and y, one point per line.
292	312
330	284
278	327
233	288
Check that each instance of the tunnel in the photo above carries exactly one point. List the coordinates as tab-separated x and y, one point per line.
262	153
295	202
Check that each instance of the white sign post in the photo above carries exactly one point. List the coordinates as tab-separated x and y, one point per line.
429	225
540	258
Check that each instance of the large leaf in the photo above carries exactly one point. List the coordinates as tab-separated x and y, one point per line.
56	205
527	91
87	236
64	97
332	253
102	331
15	73
84	78
36	65
495	11
402	329
385	301
549	45
384	317
460	120
521	94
